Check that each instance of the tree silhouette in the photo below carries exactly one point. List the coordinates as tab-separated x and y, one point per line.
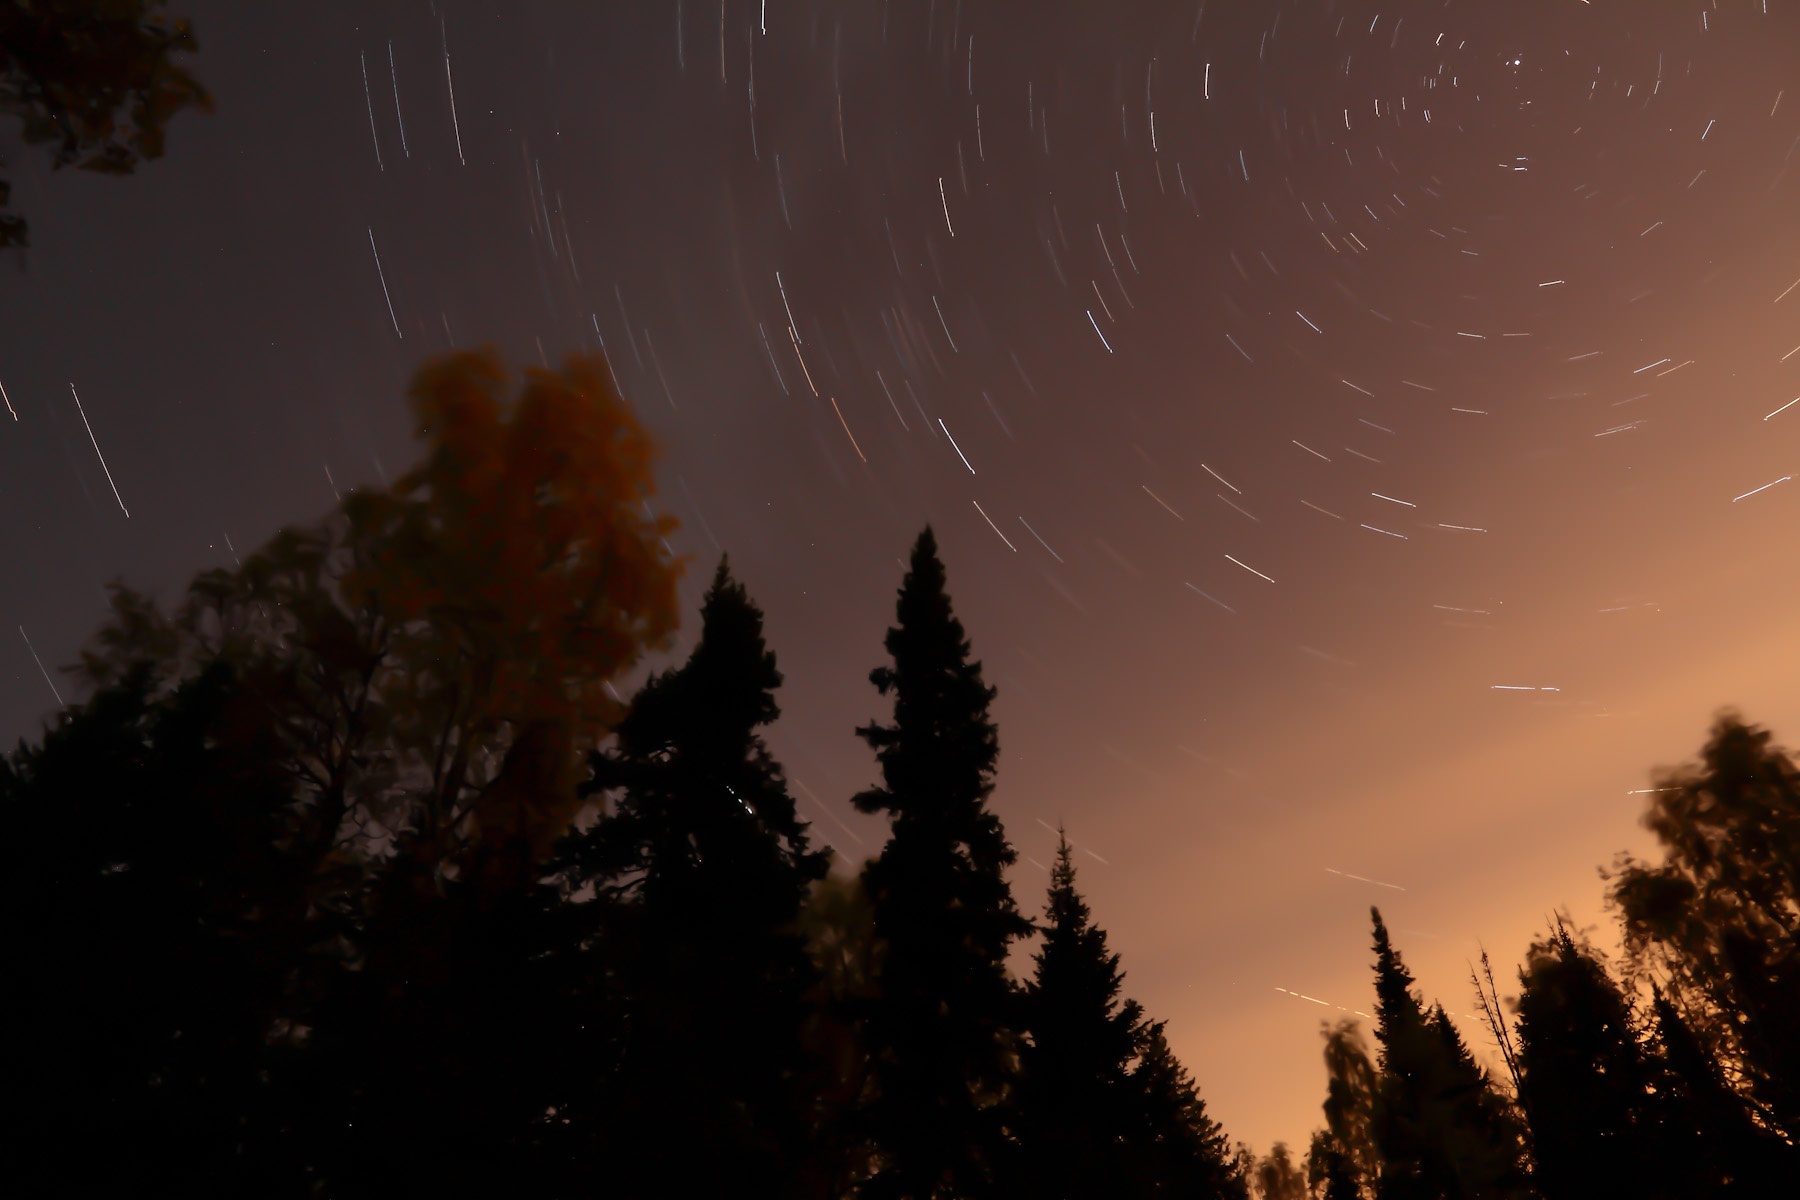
1344	1158
477	609
399	698
95	78
1178	1152
1073	1109
942	1032
148	924
1278	1177
525	573
1441	1130
433	657
1329	1173
1585	1080
1707	1128
1719	918
700	867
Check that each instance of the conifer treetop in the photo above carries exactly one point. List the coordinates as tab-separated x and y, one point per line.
939	755
1397	1007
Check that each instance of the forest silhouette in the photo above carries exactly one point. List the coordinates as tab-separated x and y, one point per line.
351	877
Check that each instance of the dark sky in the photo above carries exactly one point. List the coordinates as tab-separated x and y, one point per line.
1331	414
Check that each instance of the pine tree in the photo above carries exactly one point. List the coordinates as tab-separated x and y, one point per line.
700	868
942	1034
1073	1108
1441	1130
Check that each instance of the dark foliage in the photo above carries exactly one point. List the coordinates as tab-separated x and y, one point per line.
1585	1081
1074	1106
698	871
150	923
1718	920
941	1035
1180	1151
95	80
1708	1127
305	900
1440	1129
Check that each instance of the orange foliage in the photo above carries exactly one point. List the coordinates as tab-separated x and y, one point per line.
521	565
435	655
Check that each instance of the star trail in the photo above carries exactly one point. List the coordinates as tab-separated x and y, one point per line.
1301	330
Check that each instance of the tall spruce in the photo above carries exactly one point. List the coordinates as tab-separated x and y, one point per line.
1409	1170
1073	1110
1440	1128
943	1033
699	866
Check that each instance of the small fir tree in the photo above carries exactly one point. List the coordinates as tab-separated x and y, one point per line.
1073	1108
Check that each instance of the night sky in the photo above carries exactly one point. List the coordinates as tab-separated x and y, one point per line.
1342	422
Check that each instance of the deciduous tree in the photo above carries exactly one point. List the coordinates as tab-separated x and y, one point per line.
1718	917
95	79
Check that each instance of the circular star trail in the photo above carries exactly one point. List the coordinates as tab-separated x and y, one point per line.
1361	436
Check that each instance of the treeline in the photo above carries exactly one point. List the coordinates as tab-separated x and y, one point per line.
351	877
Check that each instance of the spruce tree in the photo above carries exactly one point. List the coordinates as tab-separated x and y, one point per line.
1073	1108
699	866
943	1032
1408	1170
1440	1128
1483	1134
1177	1152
